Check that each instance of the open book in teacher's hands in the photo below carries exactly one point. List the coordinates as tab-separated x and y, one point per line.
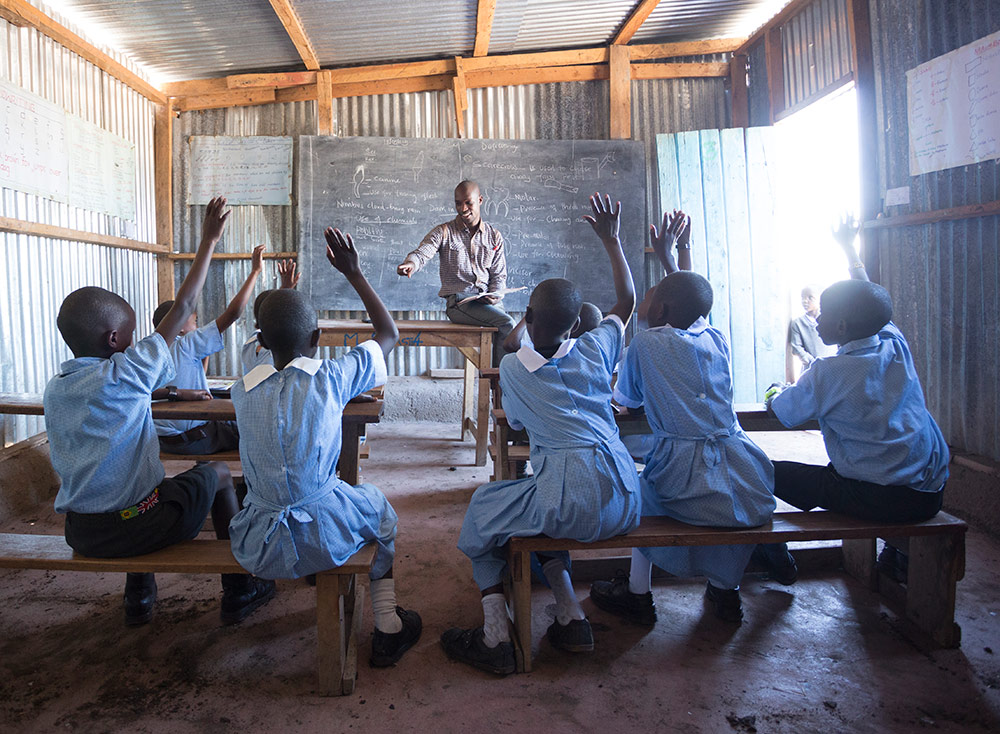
501	292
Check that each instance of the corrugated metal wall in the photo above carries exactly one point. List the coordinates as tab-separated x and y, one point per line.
944	278
36	272
570	110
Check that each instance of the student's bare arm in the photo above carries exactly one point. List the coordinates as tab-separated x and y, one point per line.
605	221
187	295
342	255
675	229
513	341
242	297
845	233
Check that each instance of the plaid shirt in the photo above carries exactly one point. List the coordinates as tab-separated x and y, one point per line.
470	263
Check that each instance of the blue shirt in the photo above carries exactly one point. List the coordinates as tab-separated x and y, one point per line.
252	354
188	351
870	407
100	425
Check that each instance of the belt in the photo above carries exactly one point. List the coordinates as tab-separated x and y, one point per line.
144	506
710	452
279	519
194	434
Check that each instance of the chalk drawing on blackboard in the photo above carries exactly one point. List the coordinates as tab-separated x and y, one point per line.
587	169
551	182
497	203
418	166
606	161
359	178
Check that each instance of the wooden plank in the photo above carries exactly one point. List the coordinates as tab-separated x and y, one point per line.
986	209
737	212
234	255
34	229
305	93
546	75
198	87
239	98
716	236
441	82
270	81
679	70
330	628
293	27
324	105
692	198
936	565
635	19
642	52
538	60
738	86
38	20
484	26
818	94
668	176
163	192
460	97
386	72
859	561
775	73
621	93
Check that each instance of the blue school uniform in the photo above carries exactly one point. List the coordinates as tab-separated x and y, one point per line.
585	485
251	356
188	351
703	469
870	407
98	415
299	517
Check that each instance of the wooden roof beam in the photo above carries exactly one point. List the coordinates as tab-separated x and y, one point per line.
484	26
634	21
293	27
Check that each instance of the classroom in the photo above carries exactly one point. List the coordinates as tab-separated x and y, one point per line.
520	365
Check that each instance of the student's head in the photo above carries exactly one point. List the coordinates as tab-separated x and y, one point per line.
467	202
680	299
852	309
164	308
590	317
95	322
553	312
256	305
288	325
810	300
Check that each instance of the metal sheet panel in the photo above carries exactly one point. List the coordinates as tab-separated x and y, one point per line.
816	49
683	20
538	25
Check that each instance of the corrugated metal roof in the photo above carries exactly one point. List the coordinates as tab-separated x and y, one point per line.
683	20
537	25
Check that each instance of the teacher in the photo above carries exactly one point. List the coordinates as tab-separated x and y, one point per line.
472	261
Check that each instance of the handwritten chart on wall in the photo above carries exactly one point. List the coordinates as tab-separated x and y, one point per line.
250	170
953	105
389	192
101	170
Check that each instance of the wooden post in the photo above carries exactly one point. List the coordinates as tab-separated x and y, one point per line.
621	92
738	97
163	180
461	97
775	73
324	103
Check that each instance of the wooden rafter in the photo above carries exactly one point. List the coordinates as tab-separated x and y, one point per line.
34	229
484	26
293	27
636	19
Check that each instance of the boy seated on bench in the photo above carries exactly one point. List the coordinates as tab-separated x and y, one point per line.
888	459
103	445
703	469
191	346
585	485
252	353
299	518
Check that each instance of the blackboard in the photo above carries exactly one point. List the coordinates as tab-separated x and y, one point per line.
390	192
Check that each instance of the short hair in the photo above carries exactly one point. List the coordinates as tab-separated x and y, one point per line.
590	317
87	314
865	306
259	300
162	310
286	320
687	296
555	304
468	183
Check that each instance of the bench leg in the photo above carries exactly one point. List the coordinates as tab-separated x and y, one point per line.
337	623
937	563
468	398
859	561
519	567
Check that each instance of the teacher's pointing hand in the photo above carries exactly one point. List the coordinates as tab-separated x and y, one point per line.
405	268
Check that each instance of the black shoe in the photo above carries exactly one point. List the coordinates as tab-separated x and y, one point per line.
614	596
894	563
728	606
388	647
576	636
777	562
467	646
140	595
240	599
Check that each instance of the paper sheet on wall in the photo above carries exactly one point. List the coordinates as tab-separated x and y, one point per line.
33	155
953	105
251	170
101	170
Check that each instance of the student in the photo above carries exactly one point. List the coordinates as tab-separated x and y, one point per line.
188	350
888	459
103	445
585	485
590	317
703	469
803	340
252	353
299	518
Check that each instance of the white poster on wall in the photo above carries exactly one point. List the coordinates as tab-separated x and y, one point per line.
33	144
101	170
953	106
246	170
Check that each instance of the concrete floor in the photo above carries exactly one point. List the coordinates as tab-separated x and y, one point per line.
821	656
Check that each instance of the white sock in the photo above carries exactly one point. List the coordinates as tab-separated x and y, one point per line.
384	606
567	605
640	573
495	618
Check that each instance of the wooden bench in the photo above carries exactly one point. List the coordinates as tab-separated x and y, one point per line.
936	561
339	596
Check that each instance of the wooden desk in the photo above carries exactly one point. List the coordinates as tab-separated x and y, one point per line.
474	342
356	416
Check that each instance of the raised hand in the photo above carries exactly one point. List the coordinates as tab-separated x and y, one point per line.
606	219
680	228
257	259
286	271
341	253
846	231
215	219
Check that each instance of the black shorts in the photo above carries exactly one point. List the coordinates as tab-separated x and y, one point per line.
181	505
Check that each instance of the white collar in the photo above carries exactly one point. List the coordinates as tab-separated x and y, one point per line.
262	371
253	338
533	361
699	325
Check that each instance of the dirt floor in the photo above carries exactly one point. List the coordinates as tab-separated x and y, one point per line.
821	656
